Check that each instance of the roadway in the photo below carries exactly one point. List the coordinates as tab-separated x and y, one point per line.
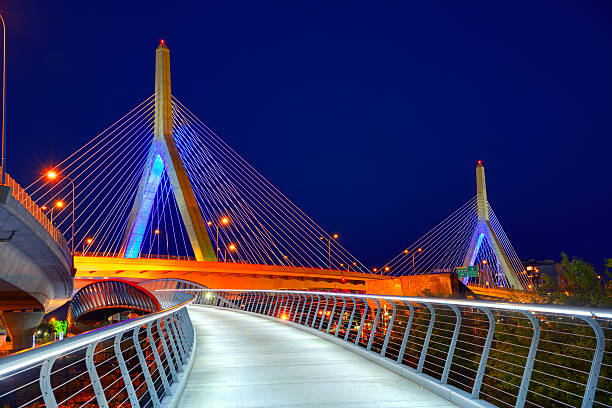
247	361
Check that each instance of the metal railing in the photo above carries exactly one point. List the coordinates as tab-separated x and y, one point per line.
486	353
24	198
134	363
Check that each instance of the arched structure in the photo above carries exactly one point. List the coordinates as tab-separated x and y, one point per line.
92	306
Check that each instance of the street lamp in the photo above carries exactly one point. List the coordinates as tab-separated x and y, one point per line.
334	236
223	221
87	244
52	176
413	254
231	248
59	204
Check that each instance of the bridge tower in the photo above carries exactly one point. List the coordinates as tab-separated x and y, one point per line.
484	230
164	155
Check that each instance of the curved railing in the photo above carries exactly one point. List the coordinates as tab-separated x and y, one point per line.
139	362
474	353
20	195
110	296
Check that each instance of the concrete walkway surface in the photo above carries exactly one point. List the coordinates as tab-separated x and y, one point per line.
247	361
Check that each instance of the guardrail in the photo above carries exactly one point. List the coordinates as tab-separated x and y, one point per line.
24	198
139	362
475	353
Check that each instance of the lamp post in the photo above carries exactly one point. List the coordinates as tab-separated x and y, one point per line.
334	236
52	175
231	248
223	221
58	204
87	245
413	254
3	91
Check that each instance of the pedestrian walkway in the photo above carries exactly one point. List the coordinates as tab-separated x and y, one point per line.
247	361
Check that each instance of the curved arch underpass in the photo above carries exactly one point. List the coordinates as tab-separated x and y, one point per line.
246	361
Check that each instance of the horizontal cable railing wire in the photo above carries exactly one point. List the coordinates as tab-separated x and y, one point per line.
504	354
133	363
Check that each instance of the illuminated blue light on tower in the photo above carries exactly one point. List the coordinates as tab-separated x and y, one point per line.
144	211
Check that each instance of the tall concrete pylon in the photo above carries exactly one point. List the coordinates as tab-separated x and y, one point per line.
484	231
164	155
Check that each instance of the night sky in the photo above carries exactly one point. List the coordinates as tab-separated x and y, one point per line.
370	116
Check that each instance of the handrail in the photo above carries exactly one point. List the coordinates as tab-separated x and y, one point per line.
26	201
529	307
477	353
145	355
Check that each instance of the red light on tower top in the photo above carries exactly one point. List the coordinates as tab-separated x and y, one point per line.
479	162
162	42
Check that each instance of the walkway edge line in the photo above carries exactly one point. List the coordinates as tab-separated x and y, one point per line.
448	392
177	389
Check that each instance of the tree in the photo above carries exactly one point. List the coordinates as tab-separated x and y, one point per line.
584	286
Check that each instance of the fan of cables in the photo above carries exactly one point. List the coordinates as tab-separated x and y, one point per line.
248	219
458	241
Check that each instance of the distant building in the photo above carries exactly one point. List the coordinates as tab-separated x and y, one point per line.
552	269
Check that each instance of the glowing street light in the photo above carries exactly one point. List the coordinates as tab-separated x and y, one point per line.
334	236
53	175
223	221
231	248
59	204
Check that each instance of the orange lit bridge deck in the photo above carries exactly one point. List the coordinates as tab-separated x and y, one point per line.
221	274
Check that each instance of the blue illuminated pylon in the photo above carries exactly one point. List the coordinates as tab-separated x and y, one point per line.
136	233
484	230
164	156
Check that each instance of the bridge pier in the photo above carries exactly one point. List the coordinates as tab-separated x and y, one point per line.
21	326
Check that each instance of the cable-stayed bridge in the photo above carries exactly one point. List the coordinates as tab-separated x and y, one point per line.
160	194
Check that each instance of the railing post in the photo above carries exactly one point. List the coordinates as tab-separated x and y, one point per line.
341	316
314	318
177	337
600	347
255	302
324	311
383	350
291	306
93	375
268	302
273	302
482	365
279	304
309	309
158	363
427	338
453	344
44	381
331	316
145	368
125	374
302	312
175	352
171	363
374	326
350	322
363	317
533	349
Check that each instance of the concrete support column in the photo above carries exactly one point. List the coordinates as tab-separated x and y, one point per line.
21	326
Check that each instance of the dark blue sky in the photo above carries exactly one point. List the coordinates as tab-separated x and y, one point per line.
370	116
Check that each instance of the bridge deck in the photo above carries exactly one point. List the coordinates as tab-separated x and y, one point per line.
246	361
